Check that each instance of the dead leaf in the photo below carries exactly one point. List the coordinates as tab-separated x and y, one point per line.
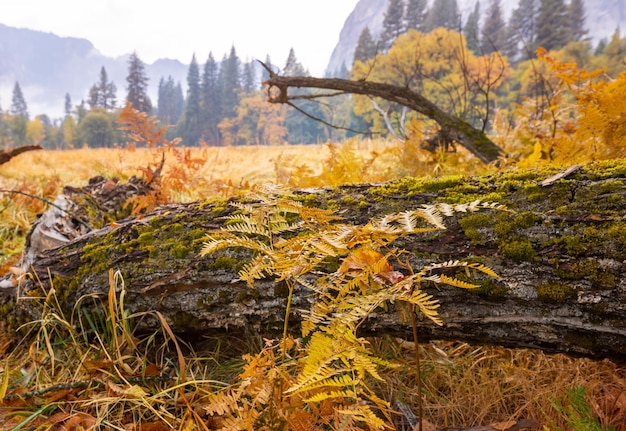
132	391
501	426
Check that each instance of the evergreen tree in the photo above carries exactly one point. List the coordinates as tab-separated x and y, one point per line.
170	101
103	93
576	13
230	79
366	47
443	13
415	14
293	66
67	108
248	83
521	31
191	122
300	128
265	75
211	101
393	25
18	103
552	24
493	32
471	29
137	85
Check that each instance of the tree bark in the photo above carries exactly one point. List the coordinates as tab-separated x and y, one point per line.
560	257
452	128
7	155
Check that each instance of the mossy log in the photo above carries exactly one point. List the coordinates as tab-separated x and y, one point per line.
561	256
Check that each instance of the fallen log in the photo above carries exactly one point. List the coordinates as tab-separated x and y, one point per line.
560	256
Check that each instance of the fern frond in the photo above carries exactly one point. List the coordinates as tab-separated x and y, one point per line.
321	396
260	267
450	281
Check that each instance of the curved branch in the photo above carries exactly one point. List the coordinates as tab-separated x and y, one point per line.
474	140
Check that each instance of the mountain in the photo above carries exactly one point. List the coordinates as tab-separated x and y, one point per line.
603	18
48	66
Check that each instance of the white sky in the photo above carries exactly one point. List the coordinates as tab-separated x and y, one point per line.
177	29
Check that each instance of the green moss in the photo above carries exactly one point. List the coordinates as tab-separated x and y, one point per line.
227	263
145	238
179	251
555	292
518	250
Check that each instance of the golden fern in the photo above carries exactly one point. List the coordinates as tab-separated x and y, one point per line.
295	244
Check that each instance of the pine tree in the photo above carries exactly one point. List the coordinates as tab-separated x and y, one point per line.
392	23
18	103
103	93
493	34
170	101
293	66
211	101
521	31
443	13
576	14
191	122
265	75
415	14
552	24
248	83
365	47
300	128
137	85
67	108
471	29
230	81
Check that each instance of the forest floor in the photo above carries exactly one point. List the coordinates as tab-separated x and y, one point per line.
464	385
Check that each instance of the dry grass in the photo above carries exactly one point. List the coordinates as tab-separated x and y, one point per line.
464	385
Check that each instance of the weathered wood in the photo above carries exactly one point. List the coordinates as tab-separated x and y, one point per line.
452	128
560	257
7	155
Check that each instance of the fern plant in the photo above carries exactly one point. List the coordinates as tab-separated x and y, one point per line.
333	365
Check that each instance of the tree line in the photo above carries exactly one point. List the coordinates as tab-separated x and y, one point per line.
468	67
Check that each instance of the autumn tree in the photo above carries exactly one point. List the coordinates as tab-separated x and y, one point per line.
438	66
256	122
103	94
96	129
393	25
415	14
137	85
493	34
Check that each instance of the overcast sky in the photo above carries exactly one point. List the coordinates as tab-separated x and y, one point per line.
177	29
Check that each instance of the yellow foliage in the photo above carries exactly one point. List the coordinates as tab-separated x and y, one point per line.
296	244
